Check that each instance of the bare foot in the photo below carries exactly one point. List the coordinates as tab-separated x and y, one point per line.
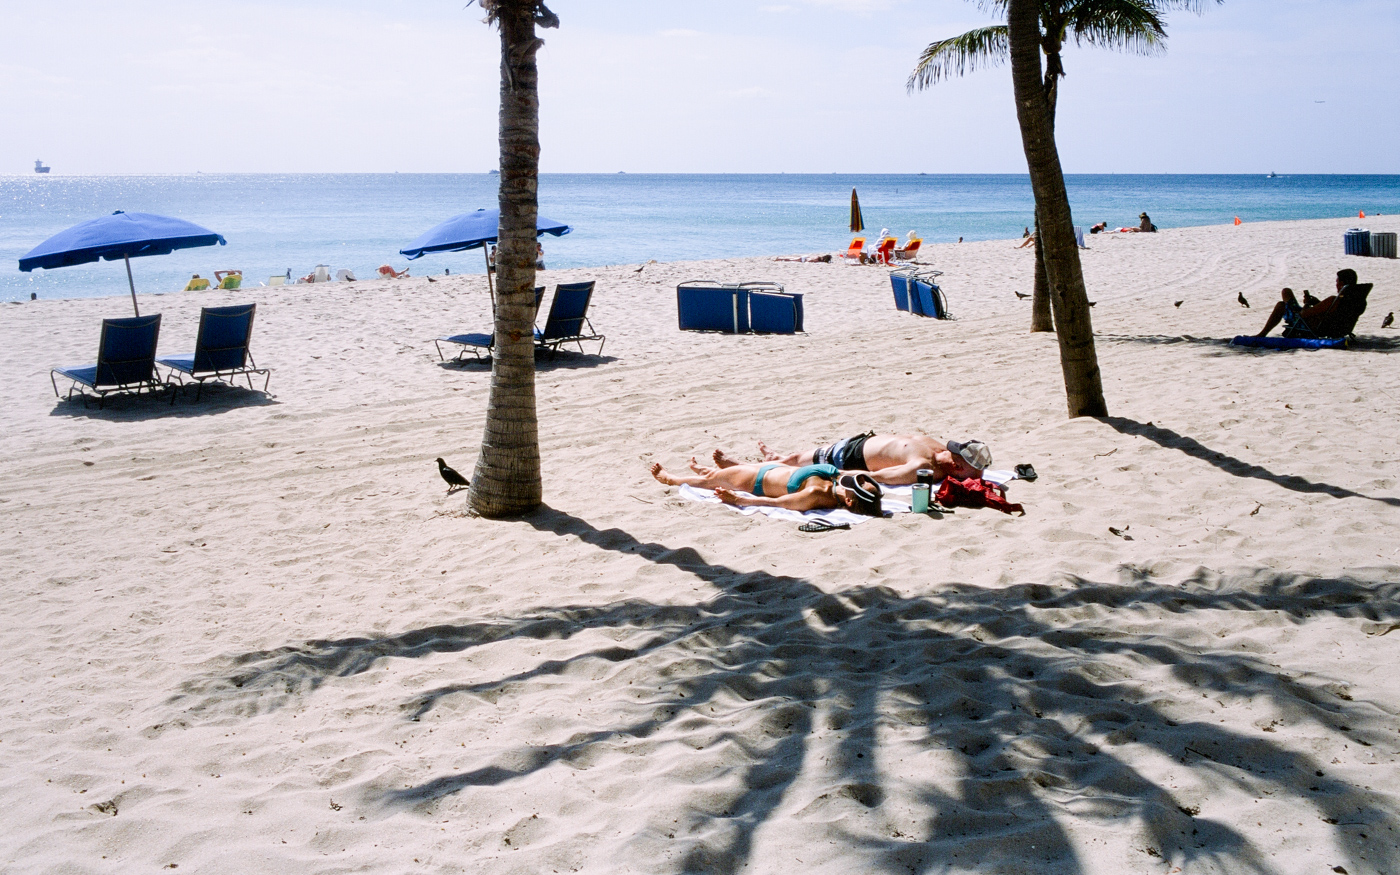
722	459
767	454
701	469
663	475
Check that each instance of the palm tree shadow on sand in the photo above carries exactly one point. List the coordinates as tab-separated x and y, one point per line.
1029	696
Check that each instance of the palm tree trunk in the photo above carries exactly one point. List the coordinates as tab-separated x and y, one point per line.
1069	300
506	480
1041	319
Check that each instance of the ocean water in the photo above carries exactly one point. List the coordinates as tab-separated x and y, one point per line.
359	221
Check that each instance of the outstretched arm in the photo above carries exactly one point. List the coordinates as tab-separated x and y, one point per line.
803	500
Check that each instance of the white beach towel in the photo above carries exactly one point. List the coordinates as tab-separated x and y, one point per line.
893	499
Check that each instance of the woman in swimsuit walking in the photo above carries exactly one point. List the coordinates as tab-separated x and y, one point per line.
810	487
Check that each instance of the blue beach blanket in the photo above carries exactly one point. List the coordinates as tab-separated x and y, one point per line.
1289	342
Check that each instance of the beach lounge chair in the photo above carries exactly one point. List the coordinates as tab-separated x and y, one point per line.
345	276
910	250
884	253
925	297
126	360
228	279
477	343
220	350
855	250
197	283
1332	330
899	280
705	305
772	310
276	280
568	319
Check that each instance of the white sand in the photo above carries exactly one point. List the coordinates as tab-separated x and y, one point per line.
256	636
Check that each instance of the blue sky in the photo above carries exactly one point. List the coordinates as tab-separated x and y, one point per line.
801	86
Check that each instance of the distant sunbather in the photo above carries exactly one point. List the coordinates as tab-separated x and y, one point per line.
893	459
197	283
388	272
1315	318
811	487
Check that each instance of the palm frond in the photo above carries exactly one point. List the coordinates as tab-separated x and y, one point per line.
1127	25
985	46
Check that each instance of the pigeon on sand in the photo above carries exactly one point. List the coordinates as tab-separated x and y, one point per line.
1243	302
1389	320
454	480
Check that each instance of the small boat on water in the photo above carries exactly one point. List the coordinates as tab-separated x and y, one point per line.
1272	175
40	166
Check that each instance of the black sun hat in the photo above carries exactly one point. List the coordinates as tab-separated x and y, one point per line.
866	494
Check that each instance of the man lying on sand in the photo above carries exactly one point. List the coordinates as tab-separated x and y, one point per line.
810	487
894	459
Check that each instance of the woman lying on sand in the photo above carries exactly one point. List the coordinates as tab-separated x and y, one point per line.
810	487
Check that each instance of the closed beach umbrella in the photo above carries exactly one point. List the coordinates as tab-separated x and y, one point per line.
472	230
857	220
120	235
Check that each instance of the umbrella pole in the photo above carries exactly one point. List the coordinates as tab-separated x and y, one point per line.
131	282
486	256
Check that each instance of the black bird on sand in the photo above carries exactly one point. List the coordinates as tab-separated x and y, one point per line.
1243	302
1021	295
1308	299
1389	320
1092	303
454	480
1178	304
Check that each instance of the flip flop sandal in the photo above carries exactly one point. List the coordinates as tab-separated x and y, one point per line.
821	526
1025	472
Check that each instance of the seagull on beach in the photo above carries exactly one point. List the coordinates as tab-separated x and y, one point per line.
1389	320
454	480
431	280
1243	302
1178	304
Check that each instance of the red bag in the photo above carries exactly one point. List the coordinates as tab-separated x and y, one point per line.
975	492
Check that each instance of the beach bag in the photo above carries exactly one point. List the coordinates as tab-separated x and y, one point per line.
975	492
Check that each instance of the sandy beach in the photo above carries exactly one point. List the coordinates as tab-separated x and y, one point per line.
254	634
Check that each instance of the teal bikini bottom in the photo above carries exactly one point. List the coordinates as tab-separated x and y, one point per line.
798	478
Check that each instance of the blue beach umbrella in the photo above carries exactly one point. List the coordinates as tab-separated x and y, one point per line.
470	231
120	235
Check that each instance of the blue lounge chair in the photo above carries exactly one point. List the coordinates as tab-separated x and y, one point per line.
705	305
220	350
126	360
772	310
899	280
568	319
477	343
925	297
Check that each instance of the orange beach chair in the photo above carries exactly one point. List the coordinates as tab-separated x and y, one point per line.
856	249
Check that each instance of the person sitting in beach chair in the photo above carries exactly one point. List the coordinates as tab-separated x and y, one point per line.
197	283
228	279
892	459
1333	317
809	487
388	272
911	248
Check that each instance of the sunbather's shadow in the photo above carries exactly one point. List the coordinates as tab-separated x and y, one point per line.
1222	346
1229	464
215	399
1033	703
1371	343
